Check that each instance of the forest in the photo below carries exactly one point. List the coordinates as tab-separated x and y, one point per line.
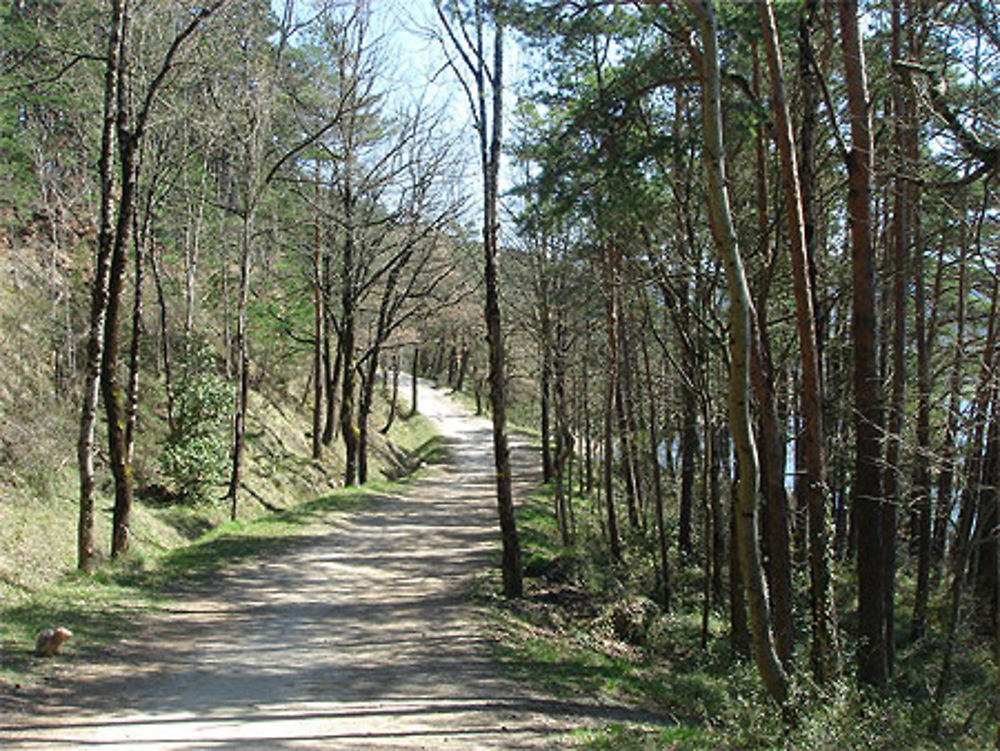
730	267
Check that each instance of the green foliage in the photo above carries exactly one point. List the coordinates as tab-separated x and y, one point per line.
568	637
195	455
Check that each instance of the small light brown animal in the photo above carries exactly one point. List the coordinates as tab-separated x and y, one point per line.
51	640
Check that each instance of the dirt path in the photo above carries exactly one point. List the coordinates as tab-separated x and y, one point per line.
357	638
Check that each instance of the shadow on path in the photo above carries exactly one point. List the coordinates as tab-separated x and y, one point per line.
359	637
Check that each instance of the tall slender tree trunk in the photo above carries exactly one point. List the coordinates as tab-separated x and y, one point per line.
132	399
331	375
823	652
900	290
463	366
945	484
87	557
191	252
868	496
545	385
625	445
611	317
564	438
711	469
490	131
111	388
739	634
588	458
130	133
772	464
631	441
921	474
241	361
348	430
689	450
654	447
771	443
367	395
740	311
413	381
394	399
982	451
318	335
165	351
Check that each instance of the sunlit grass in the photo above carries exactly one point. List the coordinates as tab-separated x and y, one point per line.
190	548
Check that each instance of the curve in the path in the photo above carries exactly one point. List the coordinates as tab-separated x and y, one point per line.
356	638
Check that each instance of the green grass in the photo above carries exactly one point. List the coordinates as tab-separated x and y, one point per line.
616	737
709	698
186	550
234	542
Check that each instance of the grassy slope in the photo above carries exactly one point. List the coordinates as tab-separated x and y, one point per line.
173	545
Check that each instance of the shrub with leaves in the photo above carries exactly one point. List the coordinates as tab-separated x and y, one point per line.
195	456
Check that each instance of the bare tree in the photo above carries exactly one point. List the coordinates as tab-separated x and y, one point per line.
485	94
125	126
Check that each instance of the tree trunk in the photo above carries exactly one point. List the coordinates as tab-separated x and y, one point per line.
318	336
711	468
740	309
394	400
132	401
611	280
191	248
452	365
945	485
490	161
626	452
772	464
739	635
979	457
564	438
900	290
654	447
921	473
331	366
413	382
364	411
588	443
348	319
823	652
241	360
689	449
631	432
868	498
776	543
165	352
545	388
331	376
87	557
348	430
111	389
463	367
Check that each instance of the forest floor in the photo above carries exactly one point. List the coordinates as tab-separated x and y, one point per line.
359	635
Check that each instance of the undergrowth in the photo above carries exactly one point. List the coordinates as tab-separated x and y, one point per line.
590	628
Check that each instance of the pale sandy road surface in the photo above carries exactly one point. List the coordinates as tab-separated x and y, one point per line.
360	637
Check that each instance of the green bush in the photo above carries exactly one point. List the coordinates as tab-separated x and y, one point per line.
196	453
